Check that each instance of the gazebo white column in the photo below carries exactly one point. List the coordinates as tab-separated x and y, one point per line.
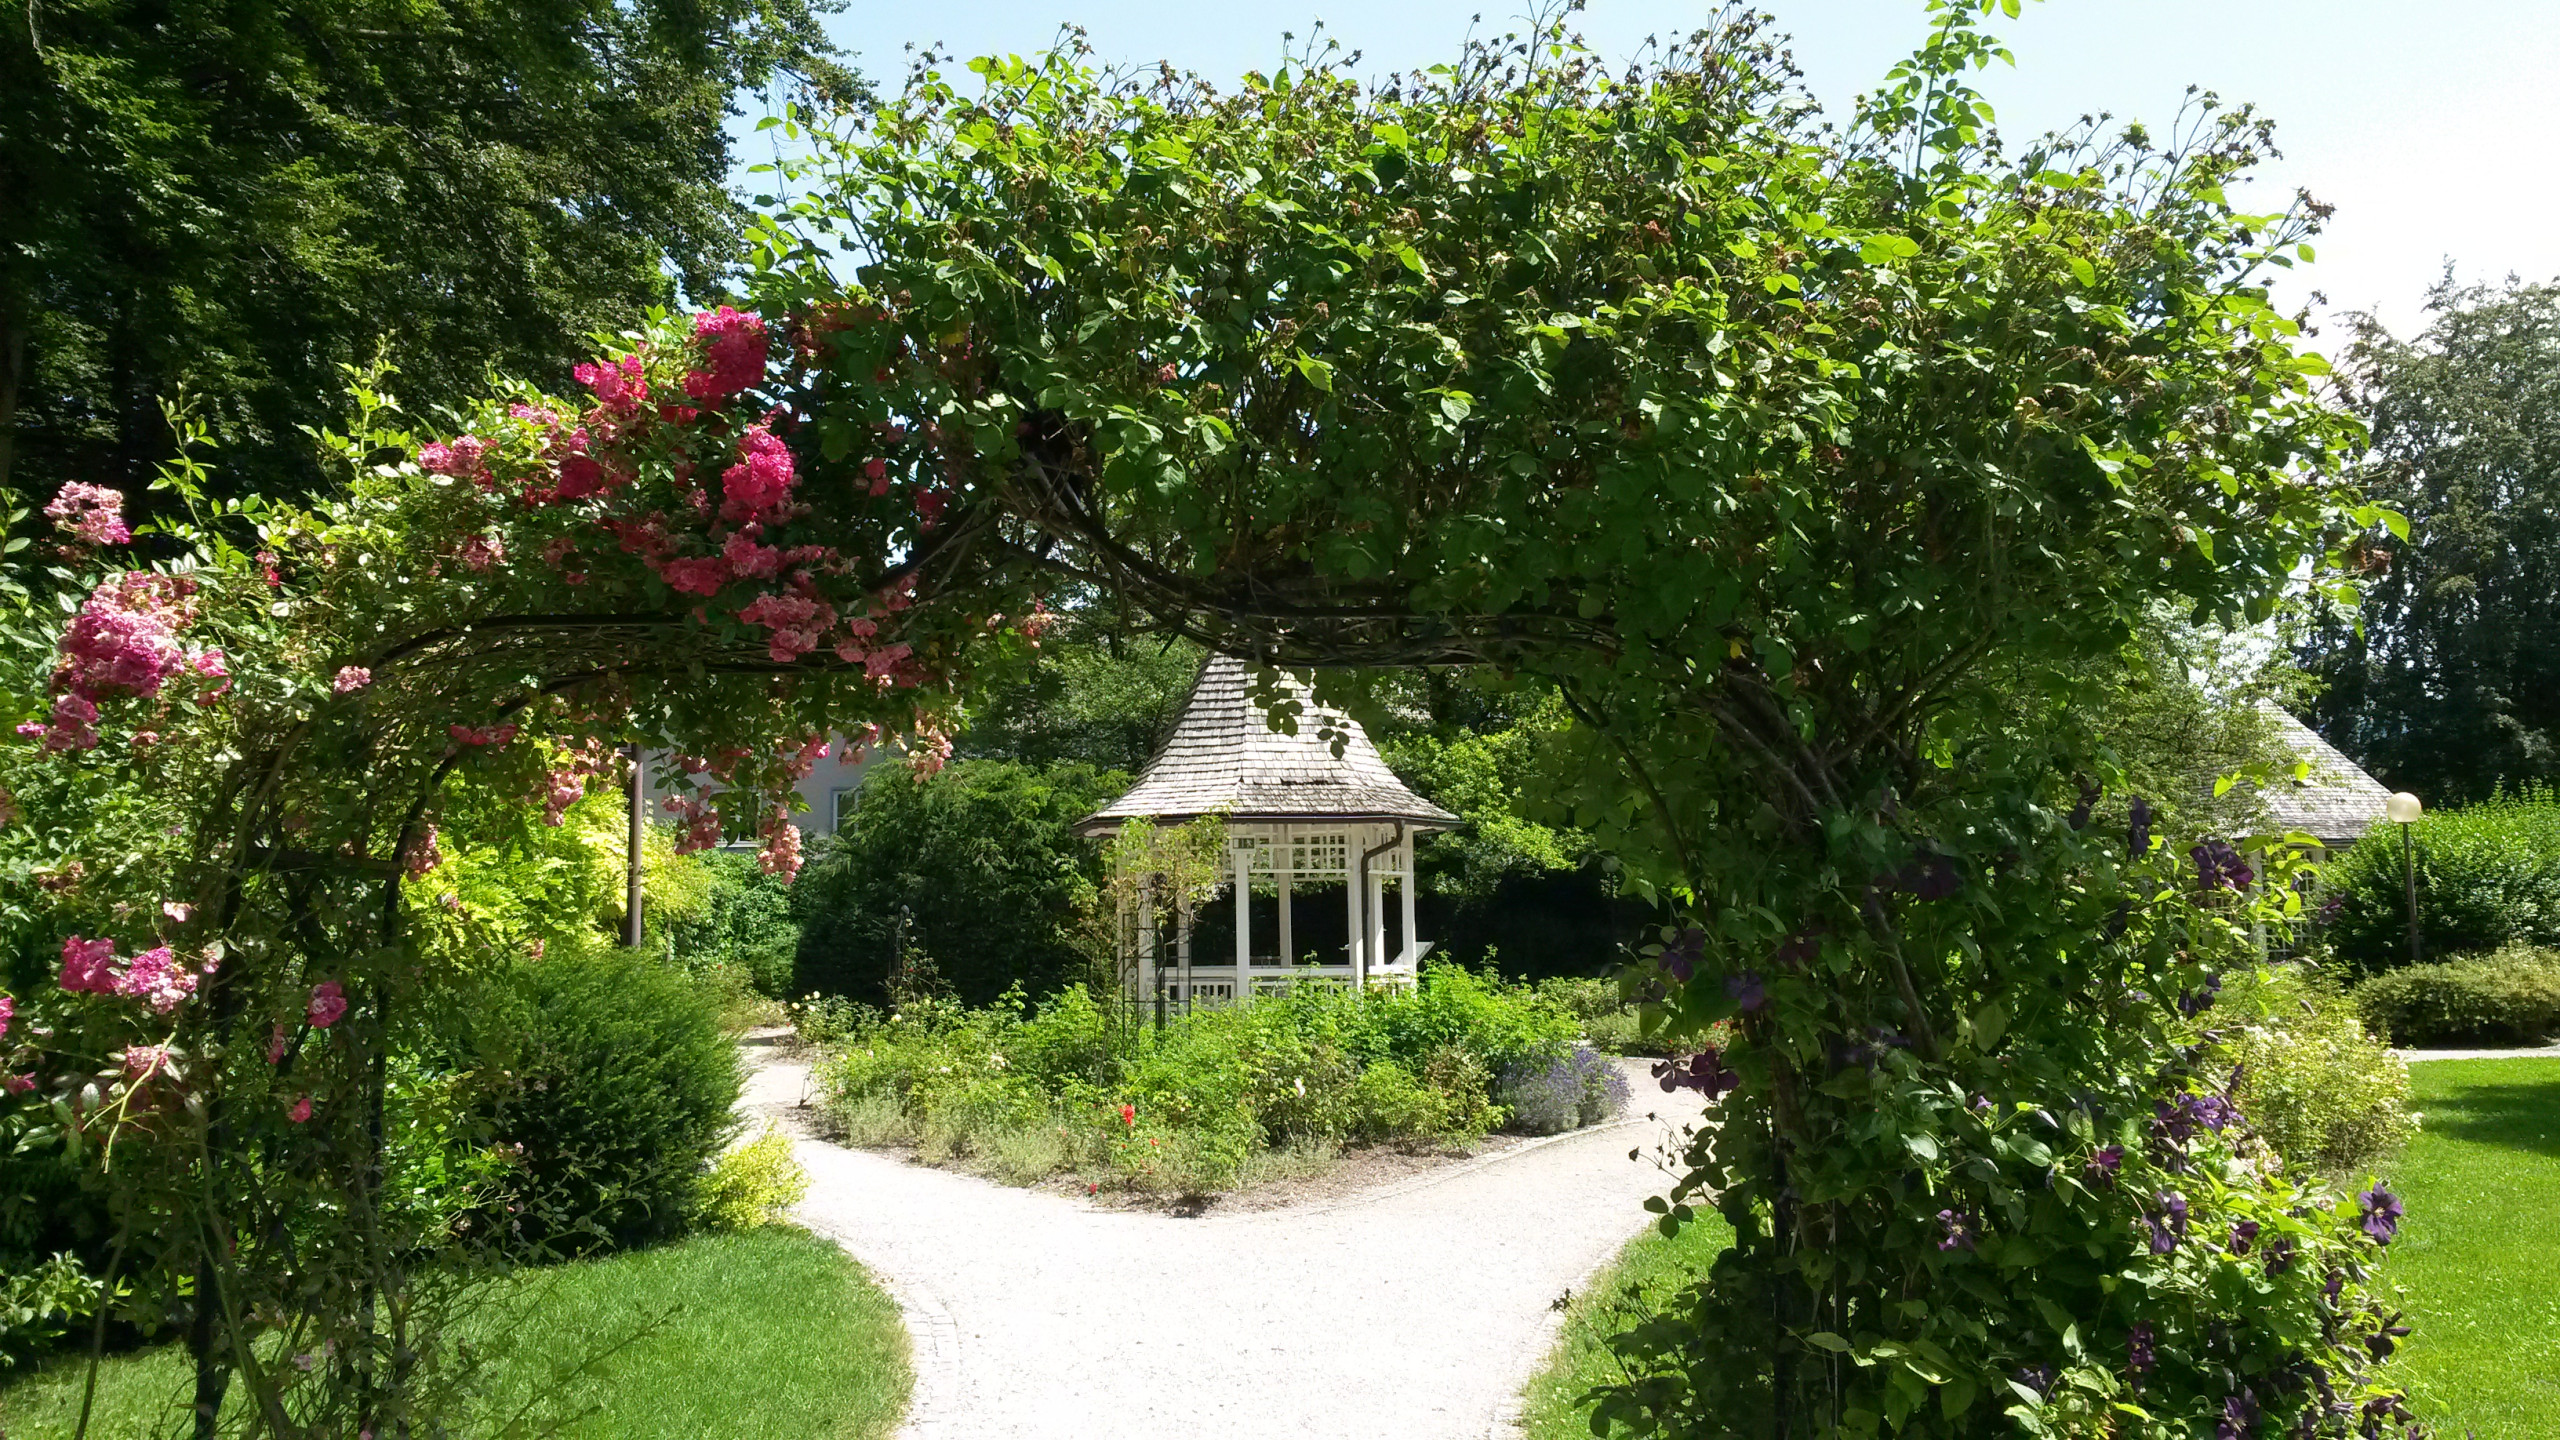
1355	925
1244	926
1287	870
1412	942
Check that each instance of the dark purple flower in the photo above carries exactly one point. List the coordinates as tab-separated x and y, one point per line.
1747	990
2239	1417
1929	877
2196	1002
2337	1283
2138	835
1800	947
2088	801
1703	1072
1980	1104
1959	1230
2381	1214
2219	867
2038	1378
2104	1164
2386	1338
2170	1224
2279	1256
2243	1234
2138	1354
1680	954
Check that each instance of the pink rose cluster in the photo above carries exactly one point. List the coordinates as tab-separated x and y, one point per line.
478	736
350	679
700	819
327	1006
90	513
124	641
758	487
781	853
422	853
154	977
567	785
733	354
465	457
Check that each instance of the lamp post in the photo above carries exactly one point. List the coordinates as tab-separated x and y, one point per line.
2403	809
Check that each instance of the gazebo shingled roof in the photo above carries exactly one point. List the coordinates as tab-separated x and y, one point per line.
1223	755
2335	804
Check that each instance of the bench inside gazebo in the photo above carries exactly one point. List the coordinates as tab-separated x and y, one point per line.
1299	818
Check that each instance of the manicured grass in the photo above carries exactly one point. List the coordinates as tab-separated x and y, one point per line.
2477	1251
1641	1280
773	1334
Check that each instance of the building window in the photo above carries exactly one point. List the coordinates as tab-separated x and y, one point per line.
840	803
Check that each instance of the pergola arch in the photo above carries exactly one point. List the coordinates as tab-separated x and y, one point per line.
1295	811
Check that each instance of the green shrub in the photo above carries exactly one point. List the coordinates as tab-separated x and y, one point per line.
2330	1098
2511	997
2488	877
980	861
1609	1020
752	1184
742	920
1197	1104
619	1095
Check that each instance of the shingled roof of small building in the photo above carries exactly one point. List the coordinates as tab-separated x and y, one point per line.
1223	756
2336	803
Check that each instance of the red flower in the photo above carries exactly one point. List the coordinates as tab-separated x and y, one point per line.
1129	1115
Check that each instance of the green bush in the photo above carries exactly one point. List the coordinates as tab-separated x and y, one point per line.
743	919
2488	877
1609	1020
618	1097
753	1184
2330	1098
1198	1103
2511	997
980	862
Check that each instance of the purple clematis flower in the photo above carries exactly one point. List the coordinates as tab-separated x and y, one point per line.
1747	990
2103	1165
2219	867
2196	1002
2138	834
2382	1214
2239	1417
2243	1235
1680	955
2139	1356
2279	1256
1958	1230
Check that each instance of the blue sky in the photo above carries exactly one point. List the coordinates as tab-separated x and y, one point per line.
2432	125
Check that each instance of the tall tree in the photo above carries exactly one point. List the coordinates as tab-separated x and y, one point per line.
235	197
2452	687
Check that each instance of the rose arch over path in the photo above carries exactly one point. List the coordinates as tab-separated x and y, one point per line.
1817	474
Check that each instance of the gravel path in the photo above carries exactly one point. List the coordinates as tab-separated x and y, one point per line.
2538	1052
1416	1310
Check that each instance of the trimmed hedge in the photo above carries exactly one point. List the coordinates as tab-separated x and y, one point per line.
620	1095
2488	877
2511	997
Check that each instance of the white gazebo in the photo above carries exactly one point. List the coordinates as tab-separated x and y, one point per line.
1296	814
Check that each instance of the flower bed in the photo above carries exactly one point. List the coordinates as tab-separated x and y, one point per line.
1203	1103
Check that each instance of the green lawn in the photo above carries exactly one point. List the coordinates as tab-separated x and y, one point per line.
1645	1274
772	1334
2479	1256
2480	1250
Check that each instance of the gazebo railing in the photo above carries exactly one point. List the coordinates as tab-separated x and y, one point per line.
1215	985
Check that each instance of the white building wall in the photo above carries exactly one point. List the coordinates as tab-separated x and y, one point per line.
827	791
